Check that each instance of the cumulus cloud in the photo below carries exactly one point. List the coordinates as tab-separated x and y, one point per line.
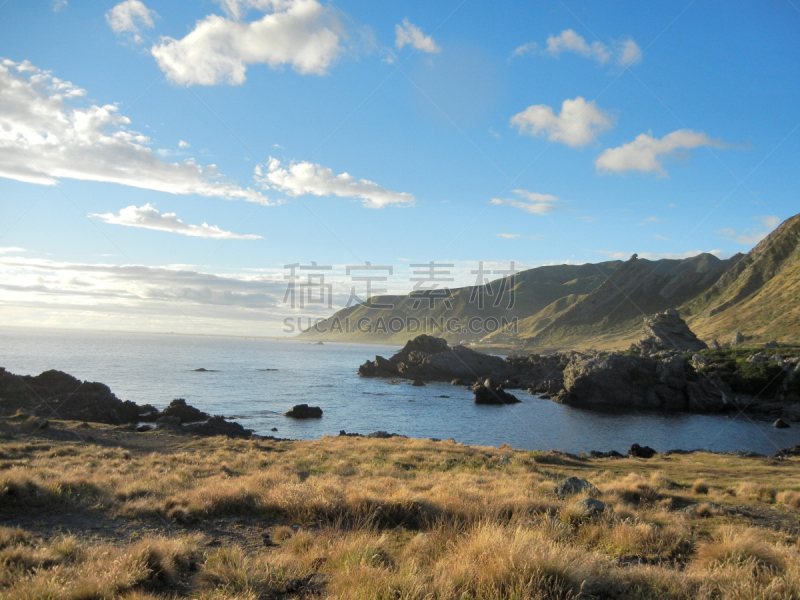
182	144
44	136
148	217
409	34
300	178
130	16
624	52
753	236
299	33
579	122
644	153
531	202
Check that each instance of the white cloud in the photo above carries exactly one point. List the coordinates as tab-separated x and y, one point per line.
533	203
524	49
661	237
44	137
300	33
11	250
130	16
652	256
58	5
301	178
148	217
625	52
182	144
755	235
643	153
517	236
410	34
579	122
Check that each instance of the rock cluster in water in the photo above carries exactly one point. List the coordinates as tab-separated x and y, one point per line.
664	370
57	395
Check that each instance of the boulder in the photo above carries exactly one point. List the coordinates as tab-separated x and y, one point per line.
185	412
780	424
716	345
418	383
637	451
609	454
668	331
591	507
738	339
35	424
304	411
771	344
574	485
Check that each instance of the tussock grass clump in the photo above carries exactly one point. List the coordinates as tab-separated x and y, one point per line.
789	498
700	487
740	547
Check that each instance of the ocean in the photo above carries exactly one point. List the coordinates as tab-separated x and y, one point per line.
256	380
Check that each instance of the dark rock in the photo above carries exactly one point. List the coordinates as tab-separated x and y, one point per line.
202	370
384	435
304	411
461	382
487	392
637	451
784	452
574	485
772	344
219	426
54	394
418	383
185	412
143	428
591	507
668	331
715	345
781	424
738	339
609	454
168	423
274	429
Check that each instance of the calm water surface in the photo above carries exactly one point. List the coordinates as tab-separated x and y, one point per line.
256	380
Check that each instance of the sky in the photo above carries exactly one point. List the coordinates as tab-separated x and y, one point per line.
161	163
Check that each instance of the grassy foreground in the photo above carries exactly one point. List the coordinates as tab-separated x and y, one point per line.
157	515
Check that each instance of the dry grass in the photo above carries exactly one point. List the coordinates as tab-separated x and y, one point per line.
364	518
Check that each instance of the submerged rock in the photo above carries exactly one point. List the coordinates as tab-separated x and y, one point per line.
486	392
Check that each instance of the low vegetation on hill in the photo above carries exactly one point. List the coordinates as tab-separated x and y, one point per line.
103	512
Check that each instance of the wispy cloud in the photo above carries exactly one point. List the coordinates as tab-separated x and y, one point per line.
301	178
44	136
530	202
524	49
11	250
623	52
409	34
753	236
578	123
148	217
518	236
645	152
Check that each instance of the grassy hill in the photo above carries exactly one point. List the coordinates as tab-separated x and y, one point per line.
602	305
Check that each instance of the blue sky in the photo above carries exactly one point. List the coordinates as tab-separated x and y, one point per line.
391	132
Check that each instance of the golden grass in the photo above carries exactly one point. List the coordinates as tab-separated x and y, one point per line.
354	518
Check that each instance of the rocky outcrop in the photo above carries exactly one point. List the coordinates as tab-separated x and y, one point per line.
637	451
56	395
427	358
185	412
667	331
